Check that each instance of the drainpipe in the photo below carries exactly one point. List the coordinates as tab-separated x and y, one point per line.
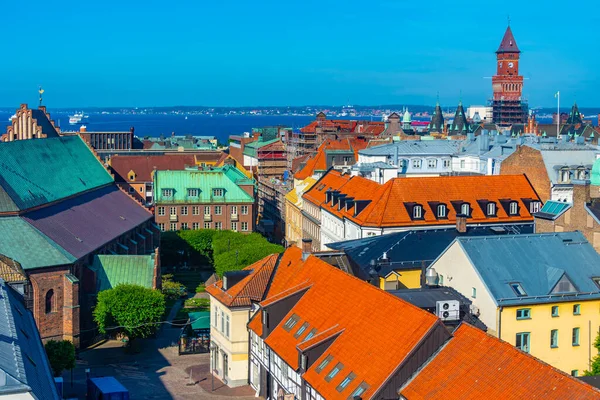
500	323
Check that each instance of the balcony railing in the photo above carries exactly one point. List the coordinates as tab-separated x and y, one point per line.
207	217
234	217
173	217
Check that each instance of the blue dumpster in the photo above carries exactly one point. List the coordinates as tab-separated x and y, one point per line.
106	388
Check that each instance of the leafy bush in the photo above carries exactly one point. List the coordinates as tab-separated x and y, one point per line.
171	289
131	309
197	303
61	354
199	240
201	288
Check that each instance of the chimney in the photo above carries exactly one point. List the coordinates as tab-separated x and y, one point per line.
82	129
306	248
461	223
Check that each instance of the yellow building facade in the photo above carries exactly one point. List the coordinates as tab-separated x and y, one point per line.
401	279
560	334
293	211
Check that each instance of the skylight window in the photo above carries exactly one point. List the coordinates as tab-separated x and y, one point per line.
360	390
324	364
301	330
311	333
338	367
290	323
346	382
518	289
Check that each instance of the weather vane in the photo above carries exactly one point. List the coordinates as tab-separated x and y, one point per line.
41	92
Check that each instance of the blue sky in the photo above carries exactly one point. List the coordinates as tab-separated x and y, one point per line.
241	52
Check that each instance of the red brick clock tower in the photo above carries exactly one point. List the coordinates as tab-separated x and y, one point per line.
507	84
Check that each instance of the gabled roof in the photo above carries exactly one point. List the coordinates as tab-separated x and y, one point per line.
437	120
319	161
508	43
460	125
332	180
227	177
41	171
24	367
324	306
537	262
251	288
408	249
87	222
113	270
475	365
42	120
388	202
143	166
574	116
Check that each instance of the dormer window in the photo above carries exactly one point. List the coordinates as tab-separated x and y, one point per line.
441	211
167	192
513	208
491	209
564	175
218	192
581	173
193	192
465	209
535	206
417	212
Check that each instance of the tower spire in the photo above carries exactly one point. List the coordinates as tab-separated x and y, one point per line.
41	92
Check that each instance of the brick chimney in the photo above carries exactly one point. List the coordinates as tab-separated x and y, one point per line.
461	223
306	248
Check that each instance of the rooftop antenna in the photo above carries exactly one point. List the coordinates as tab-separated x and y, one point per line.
41	92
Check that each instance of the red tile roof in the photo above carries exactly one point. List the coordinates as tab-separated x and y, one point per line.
319	161
395	326
475	365
144	165
387	207
332	180
249	289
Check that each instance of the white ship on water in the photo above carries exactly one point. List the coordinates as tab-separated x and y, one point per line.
77	118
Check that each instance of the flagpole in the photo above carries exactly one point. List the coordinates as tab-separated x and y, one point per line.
558	115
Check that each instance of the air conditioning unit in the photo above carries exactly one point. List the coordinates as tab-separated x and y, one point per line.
447	310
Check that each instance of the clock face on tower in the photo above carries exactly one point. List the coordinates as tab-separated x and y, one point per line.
511	65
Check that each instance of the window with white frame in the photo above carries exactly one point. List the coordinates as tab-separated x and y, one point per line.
441	211
218	226
491	209
167	192
416	163
184	226
173	226
195	210
161	210
564	175
233	210
465	209
161	227
513	208
207	210
207	225
193	192
447	163
417	212
462	164
234	226
431	163
184	210
244	226
217	210
218	192
244	210
195	226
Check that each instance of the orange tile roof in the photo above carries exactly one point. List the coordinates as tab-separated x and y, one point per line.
387	206
475	365
249	289
319	161
331	180
395	325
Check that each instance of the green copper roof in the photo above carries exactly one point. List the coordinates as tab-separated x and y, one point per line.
226	178
69	168
595	176
251	148
112	270
31	248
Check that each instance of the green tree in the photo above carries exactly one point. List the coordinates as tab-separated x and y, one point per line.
596	360
131	309
61	354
